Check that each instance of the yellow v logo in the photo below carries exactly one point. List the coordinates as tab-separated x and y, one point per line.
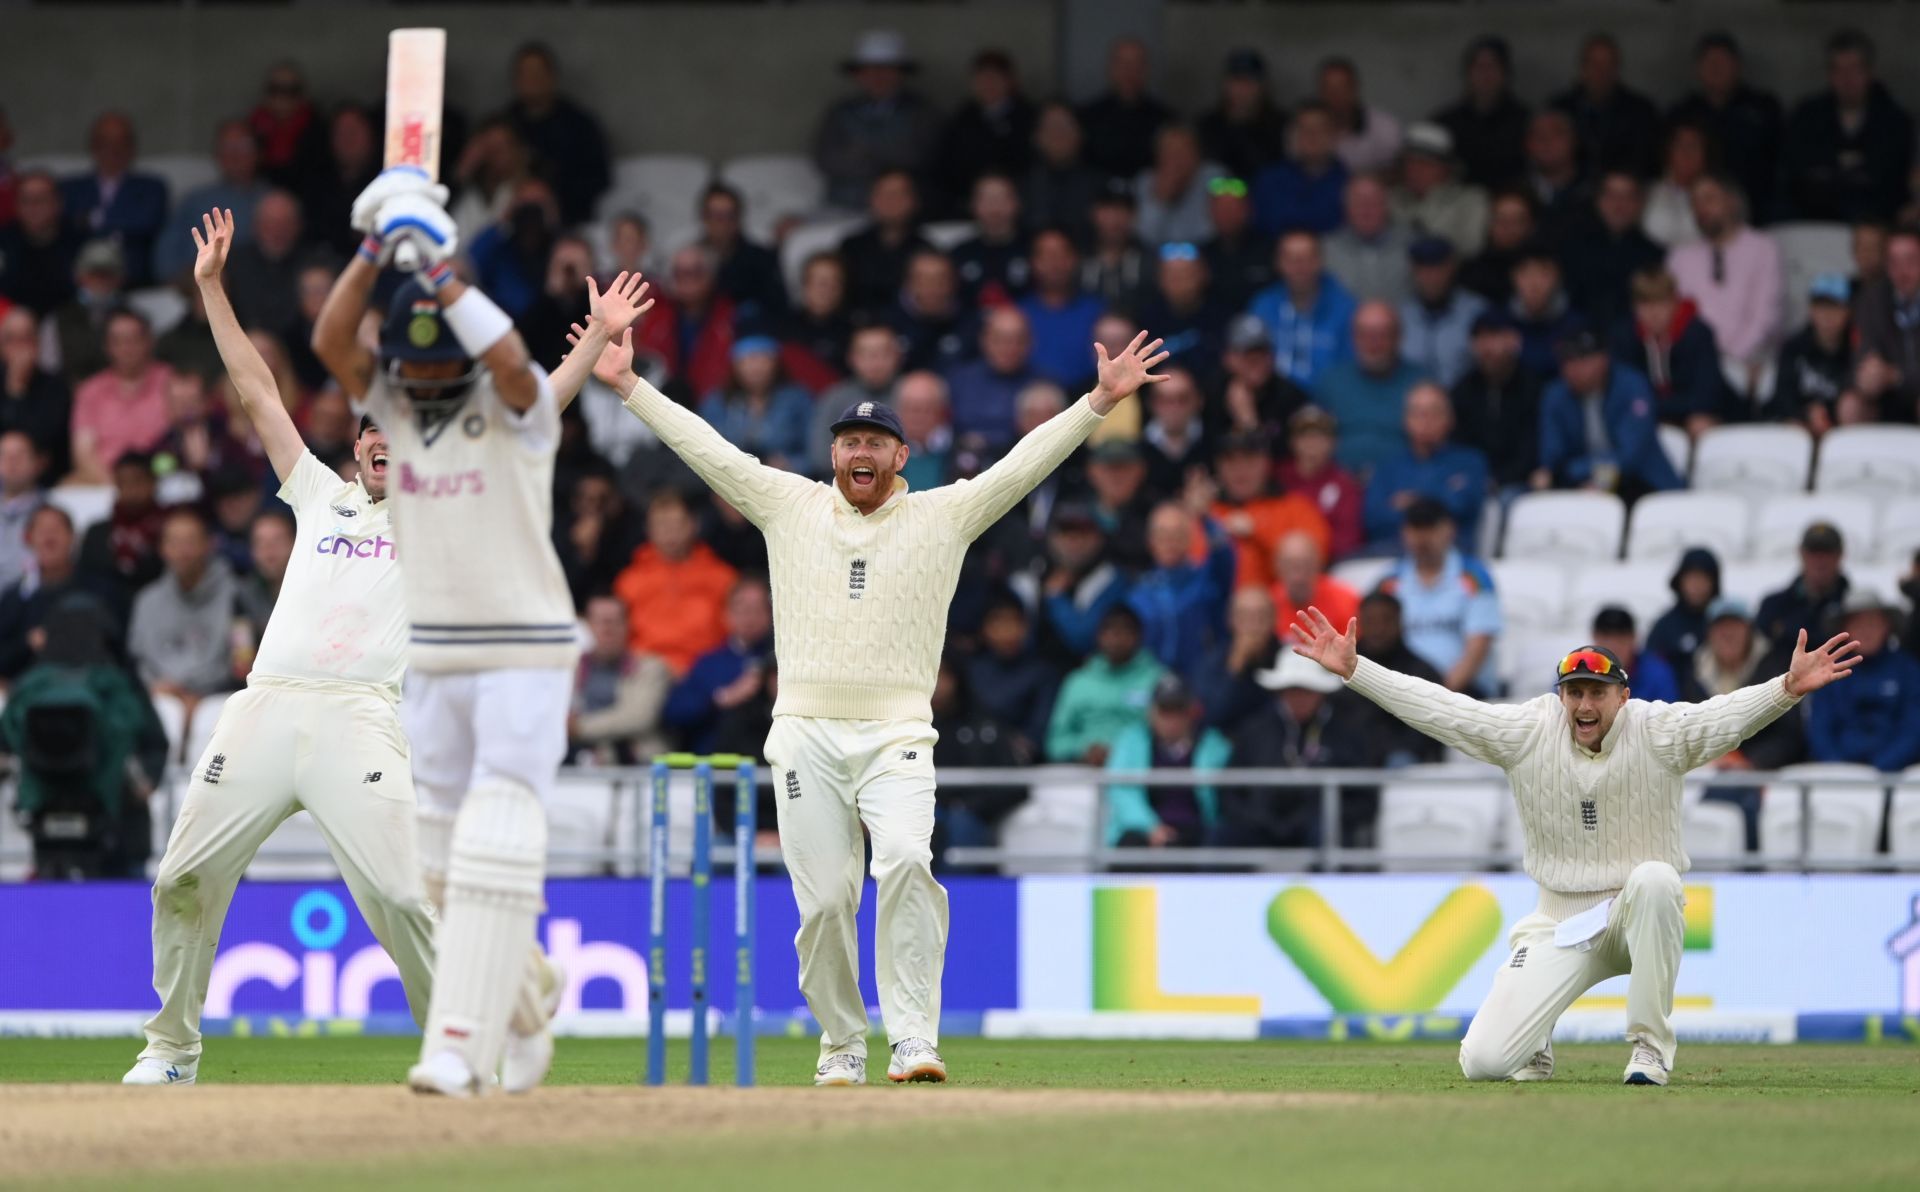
1439	953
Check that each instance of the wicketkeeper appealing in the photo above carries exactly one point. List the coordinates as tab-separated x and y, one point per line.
863	572
1596	777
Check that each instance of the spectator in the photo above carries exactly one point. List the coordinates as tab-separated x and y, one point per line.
1875	720
123	407
1305	725
597	537
1172	194
1301	581
510	257
188	345
1496	405
1228	684
1606	248
1368	392
33	401
1120	124
1106	695
728	675
1060	314
1816	596
180	634
1182	602
926	417
1369	138
991	133
1678	633
1382	640
1302	191
1488	124
617	694
1008	680
568	143
1430	201
1253	515
937	330
1077	588
288	129
270	542
1647	672
698	328
1888	373
1447	600
1307	313
1437	318
1734	274
816	332
491	167
759	411
262	276
1728	653
1116	270
1668	220
199	440
877	255
1868	248
235	498
1117	474
238	188
51	580
993	266
1816	363
1181	311
1255	397
124	550
969	735
79	334
749	273
675	588
115	201
312	284
876	358
1666	341
1510	229
1553	171
1597	426
20	496
1173	440
353	159
630	243
1617	127
1540	308
1060	188
1311	472
561	303
1173	736
38	250
1432	467
885	127
1239	258
1245	131
984	390
1744	122
1368	254
1849	149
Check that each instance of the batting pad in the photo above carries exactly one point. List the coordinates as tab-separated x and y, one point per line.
434	826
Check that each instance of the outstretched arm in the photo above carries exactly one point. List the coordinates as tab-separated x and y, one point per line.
1494	733
254	382
609	314
1689	735
336	333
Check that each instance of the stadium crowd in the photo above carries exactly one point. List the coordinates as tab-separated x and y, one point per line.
1386	326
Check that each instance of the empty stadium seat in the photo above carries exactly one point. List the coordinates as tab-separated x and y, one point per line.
1779	522
1806	251
580	825
87	504
162	306
1899	534
773	186
664	187
63	165
811	238
1433	821
1714	833
1665	524
1362	575
1845	822
1640	587
1874	461
1678	446
295	852
1057	829
1761	461
182	172
1532	595
1755	581
948	235
1565	525
1526	658
1903	817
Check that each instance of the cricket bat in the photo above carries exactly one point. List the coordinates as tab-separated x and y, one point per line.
416	81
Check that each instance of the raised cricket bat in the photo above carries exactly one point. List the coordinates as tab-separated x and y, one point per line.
416	81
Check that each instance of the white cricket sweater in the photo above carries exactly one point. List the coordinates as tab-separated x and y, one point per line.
1589	816
860	602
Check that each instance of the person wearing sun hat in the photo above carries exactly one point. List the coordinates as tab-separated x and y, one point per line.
883	126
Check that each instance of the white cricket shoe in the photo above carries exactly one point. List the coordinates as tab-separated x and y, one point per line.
916	1060
445	1074
1540	1067
841	1068
152	1070
1646	1066
527	1058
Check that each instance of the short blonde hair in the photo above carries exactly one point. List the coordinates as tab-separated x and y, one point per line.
1654	285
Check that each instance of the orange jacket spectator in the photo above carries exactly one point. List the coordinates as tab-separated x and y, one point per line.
1257	526
1340	602
676	588
1300	579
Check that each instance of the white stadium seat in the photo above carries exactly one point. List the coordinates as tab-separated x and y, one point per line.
1642	588
1806	251
1665	524
1875	461
948	235
1845	823
1757	580
1057	829
1526	658
580	824
1713	831
1899	535
181	171
774	186
811	238
162	306
295	852
1678	446
1903	818
1432	820
664	187
1761	461
87	504
1565	525
1362	575
61	165
1779	522
1533	596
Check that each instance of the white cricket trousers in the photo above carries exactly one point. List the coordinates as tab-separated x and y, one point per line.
829	778
334	749
1644	936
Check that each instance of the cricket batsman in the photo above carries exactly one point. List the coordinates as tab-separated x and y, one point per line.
316	727
1596	778
862	575
473	426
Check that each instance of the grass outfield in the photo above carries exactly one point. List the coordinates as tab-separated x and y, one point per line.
1355	1115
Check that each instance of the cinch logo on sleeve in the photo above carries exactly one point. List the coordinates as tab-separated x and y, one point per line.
470	483
377	547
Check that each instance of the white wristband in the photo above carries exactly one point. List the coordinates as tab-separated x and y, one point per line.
476	322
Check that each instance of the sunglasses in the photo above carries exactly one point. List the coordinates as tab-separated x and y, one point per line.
1591	661
1179	250
1232	187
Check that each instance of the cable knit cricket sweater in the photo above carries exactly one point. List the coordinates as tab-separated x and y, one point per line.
1589	817
860	602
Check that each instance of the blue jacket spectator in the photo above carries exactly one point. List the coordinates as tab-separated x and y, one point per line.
1171	738
1682	629
758	413
1436	323
726	676
1597	425
1311	327
1429	466
1540	308
1368	394
115	202
1059	313
1183	604
501	272
1874	717
1080	586
1449	611
985	392
1304	192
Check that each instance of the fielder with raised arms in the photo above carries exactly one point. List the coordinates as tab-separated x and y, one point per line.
1596	777
315	728
863	572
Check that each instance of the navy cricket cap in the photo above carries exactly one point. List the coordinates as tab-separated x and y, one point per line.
416	329
870	413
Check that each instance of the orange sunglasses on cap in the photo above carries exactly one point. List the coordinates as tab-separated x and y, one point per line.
1591	662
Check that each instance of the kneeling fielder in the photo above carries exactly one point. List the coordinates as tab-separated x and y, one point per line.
315	728
1596	778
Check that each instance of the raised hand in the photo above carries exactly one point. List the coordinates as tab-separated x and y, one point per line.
1315	637
621	306
1811	670
212	248
1121	375
615	366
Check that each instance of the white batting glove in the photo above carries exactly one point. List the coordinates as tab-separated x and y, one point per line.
415	233
390	183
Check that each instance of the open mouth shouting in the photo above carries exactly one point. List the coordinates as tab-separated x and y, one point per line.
377	463
1586	725
863	477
